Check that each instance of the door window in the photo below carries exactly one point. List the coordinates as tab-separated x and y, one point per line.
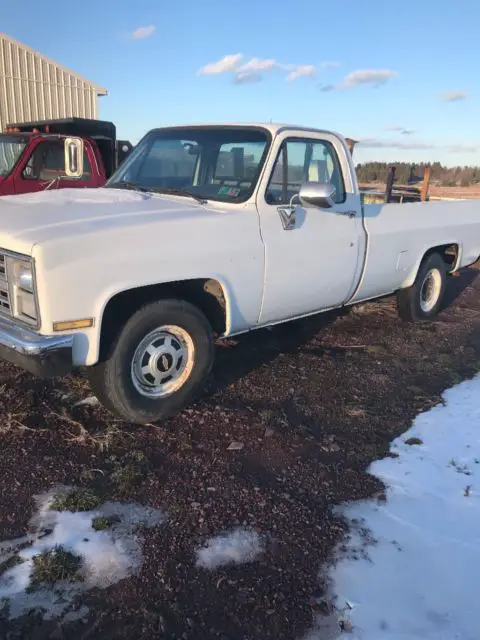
47	162
302	161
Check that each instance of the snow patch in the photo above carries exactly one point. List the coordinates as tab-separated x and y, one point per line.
107	556
237	547
414	576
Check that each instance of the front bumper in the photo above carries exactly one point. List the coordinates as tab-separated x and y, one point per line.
44	356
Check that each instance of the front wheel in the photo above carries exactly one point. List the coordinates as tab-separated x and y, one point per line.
423	300
157	363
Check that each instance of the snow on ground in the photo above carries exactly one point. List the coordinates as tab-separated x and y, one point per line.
419	578
237	547
107	556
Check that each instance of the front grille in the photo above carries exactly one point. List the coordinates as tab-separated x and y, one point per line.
5	305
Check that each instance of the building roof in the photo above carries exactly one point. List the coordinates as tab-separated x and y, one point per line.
101	91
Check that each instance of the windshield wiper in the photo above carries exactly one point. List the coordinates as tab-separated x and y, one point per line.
125	184
178	192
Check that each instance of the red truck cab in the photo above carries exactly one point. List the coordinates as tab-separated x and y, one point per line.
35	156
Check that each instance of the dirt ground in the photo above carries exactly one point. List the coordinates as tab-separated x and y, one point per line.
312	402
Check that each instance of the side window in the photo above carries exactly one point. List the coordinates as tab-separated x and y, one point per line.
47	162
302	161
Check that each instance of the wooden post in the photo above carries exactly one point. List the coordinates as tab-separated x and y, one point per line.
351	144
425	184
390	181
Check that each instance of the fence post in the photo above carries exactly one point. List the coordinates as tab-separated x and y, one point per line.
425	183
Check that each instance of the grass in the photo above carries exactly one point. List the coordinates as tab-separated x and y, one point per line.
13	561
55	565
101	523
128	471
414	441
75	500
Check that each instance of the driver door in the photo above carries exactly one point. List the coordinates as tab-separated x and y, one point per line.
313	257
45	169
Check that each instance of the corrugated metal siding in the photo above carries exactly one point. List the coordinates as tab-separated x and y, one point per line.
33	87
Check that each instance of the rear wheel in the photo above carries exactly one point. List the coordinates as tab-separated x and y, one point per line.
158	362
423	300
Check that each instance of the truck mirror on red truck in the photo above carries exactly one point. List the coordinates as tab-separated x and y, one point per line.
74	152
33	155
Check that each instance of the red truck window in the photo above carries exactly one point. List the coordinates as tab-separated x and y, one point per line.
47	163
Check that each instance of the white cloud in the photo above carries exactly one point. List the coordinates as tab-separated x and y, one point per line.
224	65
253	69
301	70
256	65
415	145
376	143
454	96
373	77
142	33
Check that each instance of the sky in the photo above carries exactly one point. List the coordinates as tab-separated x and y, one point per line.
401	79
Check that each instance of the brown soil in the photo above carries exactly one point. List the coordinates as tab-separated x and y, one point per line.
313	403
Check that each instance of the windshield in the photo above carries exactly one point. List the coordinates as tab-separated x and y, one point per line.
11	148
211	163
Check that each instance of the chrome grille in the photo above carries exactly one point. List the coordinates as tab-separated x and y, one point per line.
5	305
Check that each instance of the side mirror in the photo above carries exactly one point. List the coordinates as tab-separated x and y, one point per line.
317	194
74	157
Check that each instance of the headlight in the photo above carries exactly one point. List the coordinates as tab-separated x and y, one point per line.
21	285
25	277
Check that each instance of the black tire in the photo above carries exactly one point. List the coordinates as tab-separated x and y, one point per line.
112	379
409	301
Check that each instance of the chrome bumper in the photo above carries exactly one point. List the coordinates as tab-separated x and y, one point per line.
44	356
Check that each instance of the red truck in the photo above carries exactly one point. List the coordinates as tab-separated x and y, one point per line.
55	154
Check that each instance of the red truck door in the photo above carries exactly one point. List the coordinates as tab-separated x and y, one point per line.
44	168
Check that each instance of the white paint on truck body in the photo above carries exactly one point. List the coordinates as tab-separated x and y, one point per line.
89	245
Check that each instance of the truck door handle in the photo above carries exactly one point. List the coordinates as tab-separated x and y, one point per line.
349	214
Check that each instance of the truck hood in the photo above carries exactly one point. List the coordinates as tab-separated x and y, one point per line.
29	219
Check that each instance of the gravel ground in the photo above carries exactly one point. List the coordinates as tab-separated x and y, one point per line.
309	404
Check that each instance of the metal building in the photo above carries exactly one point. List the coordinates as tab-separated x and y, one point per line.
32	87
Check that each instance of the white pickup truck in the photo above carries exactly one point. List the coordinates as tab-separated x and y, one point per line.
208	231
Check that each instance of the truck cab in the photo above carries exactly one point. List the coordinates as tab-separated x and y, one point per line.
206	232
34	156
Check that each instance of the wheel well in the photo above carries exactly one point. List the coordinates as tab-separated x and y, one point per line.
449	253
206	294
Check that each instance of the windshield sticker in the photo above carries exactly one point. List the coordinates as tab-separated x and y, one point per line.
228	191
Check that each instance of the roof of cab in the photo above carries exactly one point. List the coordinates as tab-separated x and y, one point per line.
272	127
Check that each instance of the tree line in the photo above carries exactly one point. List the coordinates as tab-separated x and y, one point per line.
406	173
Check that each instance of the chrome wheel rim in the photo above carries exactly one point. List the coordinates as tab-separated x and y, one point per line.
162	362
430	291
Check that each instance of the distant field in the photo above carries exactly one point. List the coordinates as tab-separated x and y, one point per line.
444	192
